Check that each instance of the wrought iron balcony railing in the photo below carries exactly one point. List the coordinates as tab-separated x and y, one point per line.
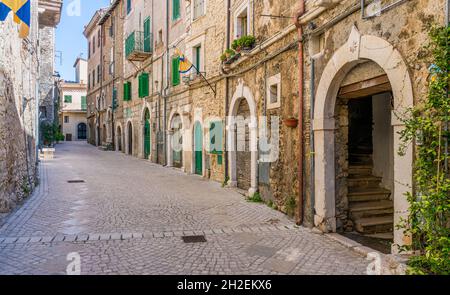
138	46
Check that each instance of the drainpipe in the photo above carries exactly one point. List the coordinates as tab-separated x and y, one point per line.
227	90
311	137
166	89
300	12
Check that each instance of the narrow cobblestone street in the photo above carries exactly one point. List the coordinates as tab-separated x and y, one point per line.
129	216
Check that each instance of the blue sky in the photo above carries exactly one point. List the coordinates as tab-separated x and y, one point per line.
69	34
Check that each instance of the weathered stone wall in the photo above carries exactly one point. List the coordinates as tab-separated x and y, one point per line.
46	72
405	27
18	78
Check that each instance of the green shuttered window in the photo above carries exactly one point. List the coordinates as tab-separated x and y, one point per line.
175	71
176	9
83	103
143	85
68	98
127	91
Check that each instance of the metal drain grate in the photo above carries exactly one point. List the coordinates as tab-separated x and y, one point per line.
75	181
194	239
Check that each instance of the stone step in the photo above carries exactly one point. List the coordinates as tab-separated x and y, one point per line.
370	209
382	236
363	181
360	169
373	225
368	194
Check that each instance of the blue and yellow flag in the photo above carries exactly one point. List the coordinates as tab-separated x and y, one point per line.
21	11
184	65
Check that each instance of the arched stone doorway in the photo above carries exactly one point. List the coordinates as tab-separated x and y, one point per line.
119	139
81	131
130	138
147	134
242	140
359	49
198	148
176	142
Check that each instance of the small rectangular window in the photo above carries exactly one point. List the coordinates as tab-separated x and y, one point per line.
176	9
66	119
128	6
83	103
199	8
197	57
68	98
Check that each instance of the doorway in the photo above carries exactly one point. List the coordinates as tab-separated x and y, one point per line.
130	138
147	135
198	148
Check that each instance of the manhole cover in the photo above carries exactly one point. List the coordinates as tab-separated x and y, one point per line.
75	181
194	239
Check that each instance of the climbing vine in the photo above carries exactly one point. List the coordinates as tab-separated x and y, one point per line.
428	222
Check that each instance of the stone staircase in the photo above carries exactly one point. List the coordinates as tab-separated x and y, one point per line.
370	207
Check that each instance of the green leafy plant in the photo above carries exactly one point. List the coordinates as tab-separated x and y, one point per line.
290	205
426	124
225	182
255	198
236	45
247	41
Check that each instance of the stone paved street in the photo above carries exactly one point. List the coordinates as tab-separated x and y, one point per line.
129	216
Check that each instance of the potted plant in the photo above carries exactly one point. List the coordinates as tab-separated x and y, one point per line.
236	45
247	42
291	122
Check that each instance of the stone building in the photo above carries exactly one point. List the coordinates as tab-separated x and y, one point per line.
73	104
95	100
50	15
363	66
304	110
20	85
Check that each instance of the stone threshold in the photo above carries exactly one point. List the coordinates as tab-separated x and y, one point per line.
148	235
390	264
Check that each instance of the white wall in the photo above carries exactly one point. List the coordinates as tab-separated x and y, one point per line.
76	99
383	152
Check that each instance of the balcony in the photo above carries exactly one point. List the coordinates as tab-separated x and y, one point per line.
138	46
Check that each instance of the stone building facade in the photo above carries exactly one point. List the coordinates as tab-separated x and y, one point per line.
364	65
95	100
21	61
317	98
73	104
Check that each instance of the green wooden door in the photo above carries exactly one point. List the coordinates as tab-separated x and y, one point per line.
198	148
147	141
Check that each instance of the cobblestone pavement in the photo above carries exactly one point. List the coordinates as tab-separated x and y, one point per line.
129	217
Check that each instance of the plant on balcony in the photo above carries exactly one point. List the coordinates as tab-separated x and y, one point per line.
244	43
247	42
228	56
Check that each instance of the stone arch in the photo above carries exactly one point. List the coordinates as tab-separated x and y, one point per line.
358	49
119	138
109	126
129	138
243	92
146	109
170	137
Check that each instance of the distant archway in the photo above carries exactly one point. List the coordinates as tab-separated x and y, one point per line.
82	131
130	138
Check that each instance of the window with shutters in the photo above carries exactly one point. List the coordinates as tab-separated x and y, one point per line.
175	71
83	103
127	91
68	98
199	8
198	57
147	36
176	8
93	45
128	6
98	74
143	85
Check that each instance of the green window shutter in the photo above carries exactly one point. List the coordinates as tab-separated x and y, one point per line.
130	93
216	137
175	9
145	84
175	71
147	36
83	103
68	98
127	91
140	86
